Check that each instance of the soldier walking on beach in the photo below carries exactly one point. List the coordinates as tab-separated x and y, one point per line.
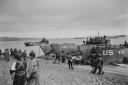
99	65
63	56
70	62
93	58
33	70
57	58
18	71
54	58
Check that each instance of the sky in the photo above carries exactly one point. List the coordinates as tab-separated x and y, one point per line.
63	18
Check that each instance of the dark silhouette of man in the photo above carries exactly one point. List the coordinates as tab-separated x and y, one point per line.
98	64
70	62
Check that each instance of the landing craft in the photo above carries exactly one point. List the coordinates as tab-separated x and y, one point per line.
99	45
102	46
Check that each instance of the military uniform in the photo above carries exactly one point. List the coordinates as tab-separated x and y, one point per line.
18	72
32	54
11	51
0	52
6	55
70	62
57	59
63	55
33	72
24	55
99	65
15	53
92	62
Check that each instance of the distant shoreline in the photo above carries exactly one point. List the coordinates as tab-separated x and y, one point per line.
27	38
17	39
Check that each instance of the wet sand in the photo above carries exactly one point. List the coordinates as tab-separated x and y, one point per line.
54	74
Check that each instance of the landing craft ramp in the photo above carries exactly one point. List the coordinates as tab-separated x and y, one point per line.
58	48
67	48
46	48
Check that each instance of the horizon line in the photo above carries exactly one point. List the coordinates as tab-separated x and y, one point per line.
61	37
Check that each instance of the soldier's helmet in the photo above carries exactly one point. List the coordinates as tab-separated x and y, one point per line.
18	56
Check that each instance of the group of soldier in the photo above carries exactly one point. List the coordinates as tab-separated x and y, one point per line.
67	58
96	61
7	54
24	71
19	68
97	40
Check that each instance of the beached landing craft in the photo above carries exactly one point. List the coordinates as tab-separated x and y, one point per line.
99	45
102	46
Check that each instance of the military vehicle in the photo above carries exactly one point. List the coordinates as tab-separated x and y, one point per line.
95	45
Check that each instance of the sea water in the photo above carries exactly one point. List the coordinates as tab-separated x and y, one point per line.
20	45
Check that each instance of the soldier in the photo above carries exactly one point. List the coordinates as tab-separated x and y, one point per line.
18	71
74	58
33	70
93	61
0	52
24	55
11	51
15	53
57	58
63	56
98	65
32	54
84	42
6	55
53	57
70	62
20	52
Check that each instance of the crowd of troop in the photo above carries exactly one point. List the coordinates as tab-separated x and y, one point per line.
8	53
68	58
97	40
96	61
24	72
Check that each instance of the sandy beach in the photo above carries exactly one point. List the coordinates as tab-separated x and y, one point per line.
59	74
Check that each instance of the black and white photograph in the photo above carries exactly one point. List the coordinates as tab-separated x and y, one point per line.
63	42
